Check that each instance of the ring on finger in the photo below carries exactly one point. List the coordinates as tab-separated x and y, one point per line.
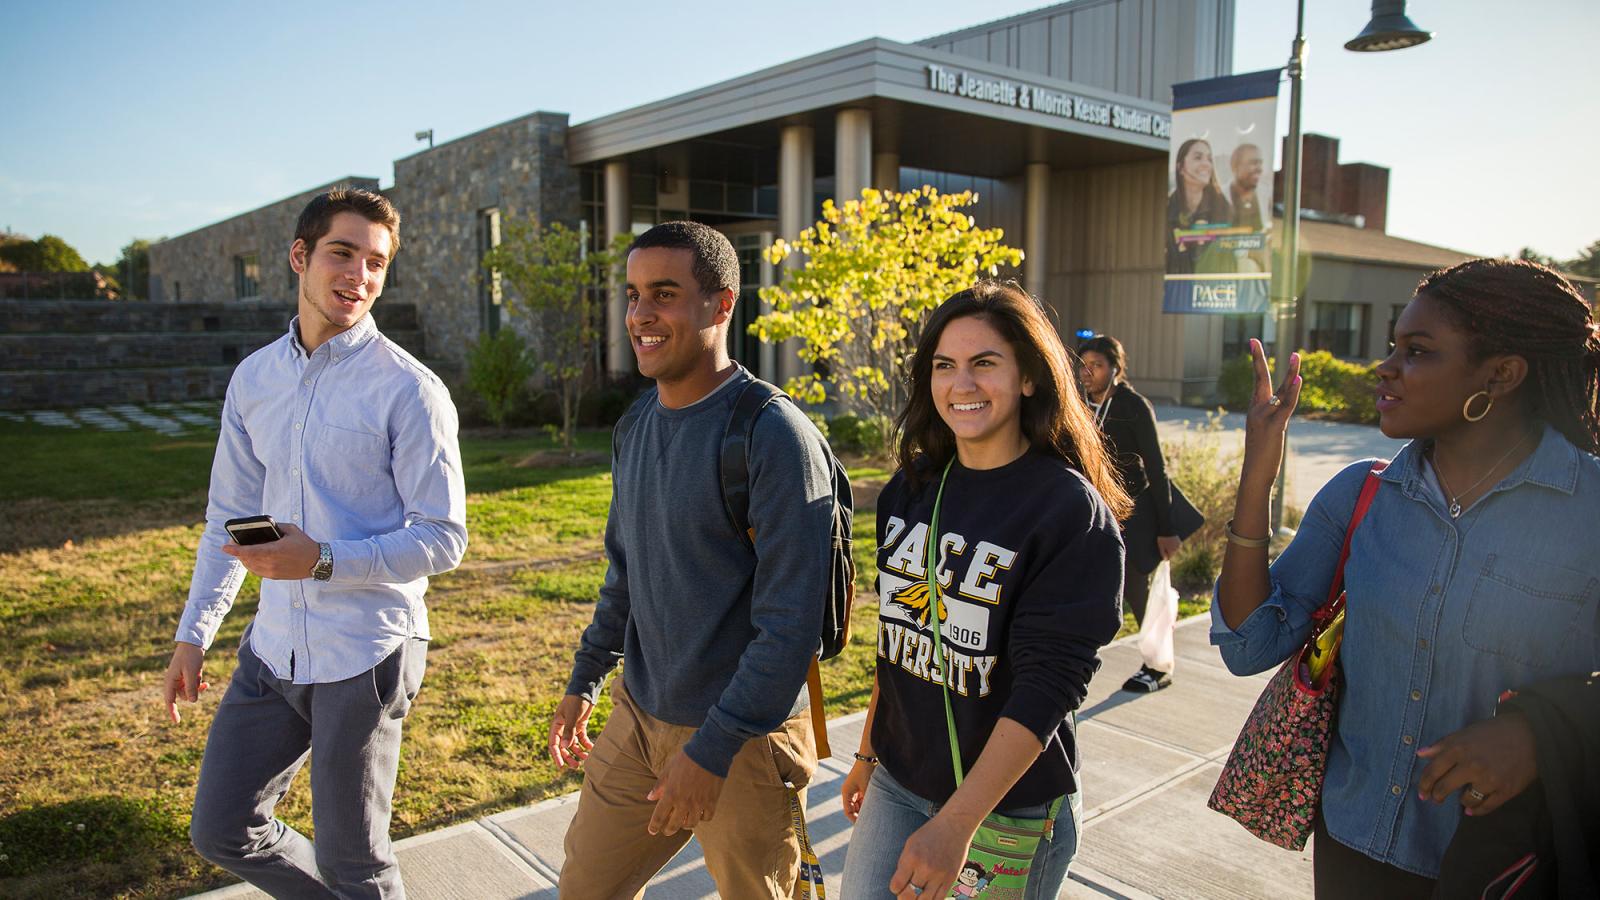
1476	794
916	889
1274	400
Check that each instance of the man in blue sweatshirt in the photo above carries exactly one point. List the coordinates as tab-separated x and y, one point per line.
708	734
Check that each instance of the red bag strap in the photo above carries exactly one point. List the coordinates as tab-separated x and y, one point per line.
1369	490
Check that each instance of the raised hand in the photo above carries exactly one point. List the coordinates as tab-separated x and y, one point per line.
1267	420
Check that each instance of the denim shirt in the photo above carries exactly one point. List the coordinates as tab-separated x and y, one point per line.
1442	615
356	444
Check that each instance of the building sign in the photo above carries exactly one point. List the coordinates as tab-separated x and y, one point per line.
1217	238
1043	100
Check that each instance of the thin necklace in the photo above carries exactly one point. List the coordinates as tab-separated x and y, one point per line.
1455	499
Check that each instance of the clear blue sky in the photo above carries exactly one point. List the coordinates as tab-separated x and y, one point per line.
124	120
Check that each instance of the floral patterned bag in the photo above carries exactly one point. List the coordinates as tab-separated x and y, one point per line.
1272	782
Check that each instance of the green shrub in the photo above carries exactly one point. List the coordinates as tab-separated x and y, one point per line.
498	369
1237	382
1341	389
1329	385
866	435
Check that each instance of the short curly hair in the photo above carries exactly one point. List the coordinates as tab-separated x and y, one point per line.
716	266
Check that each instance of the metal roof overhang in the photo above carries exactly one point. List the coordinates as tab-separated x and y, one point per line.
930	129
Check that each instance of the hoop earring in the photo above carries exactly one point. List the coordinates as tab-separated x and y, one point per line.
1466	408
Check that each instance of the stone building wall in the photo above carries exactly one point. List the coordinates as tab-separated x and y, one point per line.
518	168
198	267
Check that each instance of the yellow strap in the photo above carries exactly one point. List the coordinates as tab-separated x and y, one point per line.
811	886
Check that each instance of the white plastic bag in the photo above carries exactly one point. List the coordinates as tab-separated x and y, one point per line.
1160	618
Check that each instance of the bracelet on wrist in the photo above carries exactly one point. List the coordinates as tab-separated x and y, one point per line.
869	760
1235	537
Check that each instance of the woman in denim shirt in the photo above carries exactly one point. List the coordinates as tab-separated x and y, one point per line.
1476	570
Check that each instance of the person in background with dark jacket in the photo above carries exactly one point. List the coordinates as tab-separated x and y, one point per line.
1129	425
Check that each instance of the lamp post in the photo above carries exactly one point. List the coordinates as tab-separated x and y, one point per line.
1389	29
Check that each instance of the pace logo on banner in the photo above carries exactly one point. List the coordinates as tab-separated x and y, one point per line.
1219	205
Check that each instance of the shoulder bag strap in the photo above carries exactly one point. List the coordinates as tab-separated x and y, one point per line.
1369	490
934	605
735	462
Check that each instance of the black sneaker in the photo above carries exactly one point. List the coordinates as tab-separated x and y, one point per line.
1147	681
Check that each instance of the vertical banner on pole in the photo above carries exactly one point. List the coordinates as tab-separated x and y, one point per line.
1219	205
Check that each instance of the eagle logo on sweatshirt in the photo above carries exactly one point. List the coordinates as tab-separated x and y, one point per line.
914	599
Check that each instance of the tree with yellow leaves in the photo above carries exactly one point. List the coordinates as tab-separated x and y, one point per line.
874	268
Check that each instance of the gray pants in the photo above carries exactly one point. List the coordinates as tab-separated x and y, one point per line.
264	731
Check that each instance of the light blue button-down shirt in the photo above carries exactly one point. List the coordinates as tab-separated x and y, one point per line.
356	444
1442	616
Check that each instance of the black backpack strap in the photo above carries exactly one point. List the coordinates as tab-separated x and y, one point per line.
629	419
736	440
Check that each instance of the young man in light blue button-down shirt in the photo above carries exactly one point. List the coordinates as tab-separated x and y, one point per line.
350	445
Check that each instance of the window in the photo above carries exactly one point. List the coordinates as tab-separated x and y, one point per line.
247	276
1237	332
742	345
1339	328
489	281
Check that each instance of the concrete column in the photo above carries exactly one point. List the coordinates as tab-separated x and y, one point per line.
1036	229
797	176
852	154
886	170
767	359
619	220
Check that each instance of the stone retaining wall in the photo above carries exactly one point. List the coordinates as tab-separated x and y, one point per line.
57	354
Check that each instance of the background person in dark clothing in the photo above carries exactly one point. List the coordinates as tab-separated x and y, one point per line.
1129	425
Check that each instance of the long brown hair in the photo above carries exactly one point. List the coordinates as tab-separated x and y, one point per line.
1517	307
1054	419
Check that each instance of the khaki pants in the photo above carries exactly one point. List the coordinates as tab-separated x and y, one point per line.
750	844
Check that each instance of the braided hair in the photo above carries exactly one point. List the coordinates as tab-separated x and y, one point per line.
1517	307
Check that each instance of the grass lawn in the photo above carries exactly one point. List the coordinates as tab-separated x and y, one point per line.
97	535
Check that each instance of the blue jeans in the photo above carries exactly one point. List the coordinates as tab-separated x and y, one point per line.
890	814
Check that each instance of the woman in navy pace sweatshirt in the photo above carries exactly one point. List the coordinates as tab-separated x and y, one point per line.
1030	572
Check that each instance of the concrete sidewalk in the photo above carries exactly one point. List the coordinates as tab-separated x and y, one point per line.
1149	764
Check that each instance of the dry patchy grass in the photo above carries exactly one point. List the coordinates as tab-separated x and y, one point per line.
91	587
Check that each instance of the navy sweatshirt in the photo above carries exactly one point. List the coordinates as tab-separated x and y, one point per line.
1031	580
712	635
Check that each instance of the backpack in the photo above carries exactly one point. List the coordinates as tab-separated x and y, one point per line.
735	480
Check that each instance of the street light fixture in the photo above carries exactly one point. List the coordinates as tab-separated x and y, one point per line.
1389	29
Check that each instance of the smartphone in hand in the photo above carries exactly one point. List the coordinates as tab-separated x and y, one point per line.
253	530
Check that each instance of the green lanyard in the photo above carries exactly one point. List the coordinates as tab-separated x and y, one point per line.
936	606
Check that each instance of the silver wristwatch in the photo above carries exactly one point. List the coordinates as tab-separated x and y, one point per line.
323	570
